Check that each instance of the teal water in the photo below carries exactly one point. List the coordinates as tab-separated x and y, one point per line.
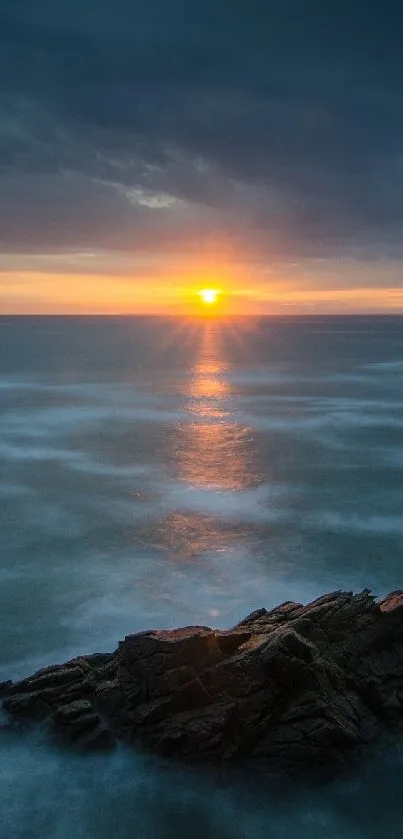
156	472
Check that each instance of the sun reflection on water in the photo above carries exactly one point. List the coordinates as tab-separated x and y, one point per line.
214	450
215	457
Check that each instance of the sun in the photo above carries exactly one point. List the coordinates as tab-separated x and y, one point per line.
209	296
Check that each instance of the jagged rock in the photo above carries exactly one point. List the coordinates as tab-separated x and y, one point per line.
295	688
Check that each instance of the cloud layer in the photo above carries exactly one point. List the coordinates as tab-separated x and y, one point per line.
151	126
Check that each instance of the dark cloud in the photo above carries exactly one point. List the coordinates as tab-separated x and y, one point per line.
144	124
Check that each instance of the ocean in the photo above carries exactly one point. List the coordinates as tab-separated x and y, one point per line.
157	472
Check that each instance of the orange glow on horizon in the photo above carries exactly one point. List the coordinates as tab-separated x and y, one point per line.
193	289
217	278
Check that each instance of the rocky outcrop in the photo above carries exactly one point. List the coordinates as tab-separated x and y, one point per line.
294	688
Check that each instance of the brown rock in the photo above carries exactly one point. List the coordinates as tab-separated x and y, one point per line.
296	687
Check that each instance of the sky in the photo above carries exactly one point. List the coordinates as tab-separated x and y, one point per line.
150	148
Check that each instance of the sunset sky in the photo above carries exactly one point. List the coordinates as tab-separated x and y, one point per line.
151	149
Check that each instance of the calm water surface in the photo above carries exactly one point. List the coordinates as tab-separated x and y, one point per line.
156	472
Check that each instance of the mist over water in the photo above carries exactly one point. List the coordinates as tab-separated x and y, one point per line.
158	472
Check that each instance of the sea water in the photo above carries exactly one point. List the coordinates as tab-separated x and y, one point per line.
157	472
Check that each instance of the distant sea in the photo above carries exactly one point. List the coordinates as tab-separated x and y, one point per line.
157	472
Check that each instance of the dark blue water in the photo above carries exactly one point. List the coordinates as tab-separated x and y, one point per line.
157	472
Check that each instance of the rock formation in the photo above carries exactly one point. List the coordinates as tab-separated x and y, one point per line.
299	687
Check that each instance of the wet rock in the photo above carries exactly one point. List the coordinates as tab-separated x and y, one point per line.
66	714
294	688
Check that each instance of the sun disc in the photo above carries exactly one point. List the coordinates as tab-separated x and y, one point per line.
209	295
